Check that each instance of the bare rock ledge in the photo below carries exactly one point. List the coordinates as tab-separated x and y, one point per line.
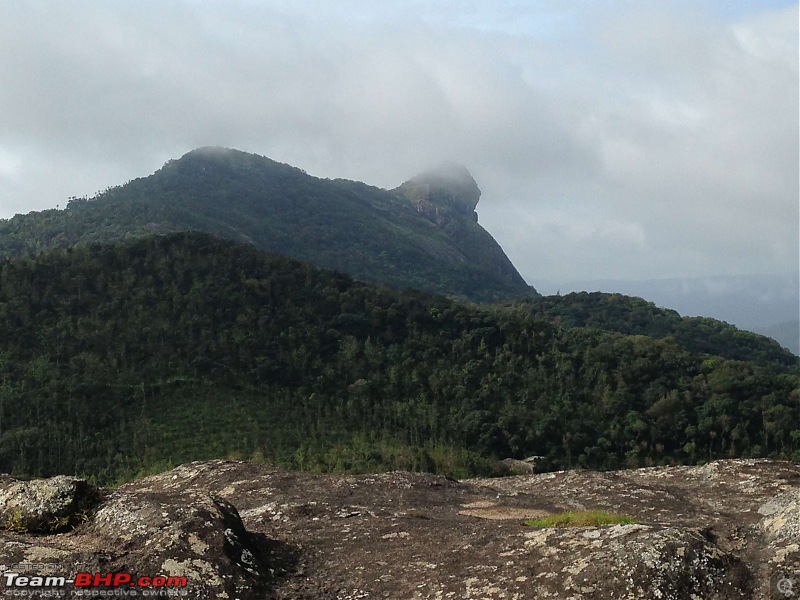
729	529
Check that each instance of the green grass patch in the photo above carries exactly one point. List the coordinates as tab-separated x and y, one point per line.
583	518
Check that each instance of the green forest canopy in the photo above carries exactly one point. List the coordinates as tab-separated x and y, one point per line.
116	360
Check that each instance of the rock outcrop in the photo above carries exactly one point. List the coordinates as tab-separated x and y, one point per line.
725	530
45	505
437	192
446	197
781	526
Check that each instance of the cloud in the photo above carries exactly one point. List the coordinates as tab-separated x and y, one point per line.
629	140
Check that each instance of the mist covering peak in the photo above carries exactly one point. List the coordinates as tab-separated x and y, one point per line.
448	186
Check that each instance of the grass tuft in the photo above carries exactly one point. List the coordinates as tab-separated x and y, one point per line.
15	521
583	518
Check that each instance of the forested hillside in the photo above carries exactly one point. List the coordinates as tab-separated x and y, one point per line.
117	360
372	234
625	314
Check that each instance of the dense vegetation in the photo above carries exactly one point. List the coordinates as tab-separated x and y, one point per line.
372	234
634	316
116	360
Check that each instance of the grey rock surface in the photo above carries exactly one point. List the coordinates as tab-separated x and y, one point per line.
725	530
447	187
45	505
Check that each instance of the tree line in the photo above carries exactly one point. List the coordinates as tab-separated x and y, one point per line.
118	360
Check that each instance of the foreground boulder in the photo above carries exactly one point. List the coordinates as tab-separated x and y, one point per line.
238	530
45	505
196	536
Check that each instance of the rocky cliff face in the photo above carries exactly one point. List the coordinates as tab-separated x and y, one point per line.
729	529
447	196
439	192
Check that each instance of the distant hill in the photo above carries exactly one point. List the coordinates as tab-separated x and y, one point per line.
634	316
765	304
117	360
787	334
423	235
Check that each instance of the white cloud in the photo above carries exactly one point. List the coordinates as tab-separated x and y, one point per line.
641	140
9	164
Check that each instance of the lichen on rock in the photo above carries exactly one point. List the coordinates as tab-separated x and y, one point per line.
239	530
45	505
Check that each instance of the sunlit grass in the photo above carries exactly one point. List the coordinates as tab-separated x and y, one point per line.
583	518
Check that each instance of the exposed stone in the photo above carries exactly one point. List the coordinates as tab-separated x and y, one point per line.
447	188
725	530
171	533
45	505
781	525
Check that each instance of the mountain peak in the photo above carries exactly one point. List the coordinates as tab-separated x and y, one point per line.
427	240
212	153
448	186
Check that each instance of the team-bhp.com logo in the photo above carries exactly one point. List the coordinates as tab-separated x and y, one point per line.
93	584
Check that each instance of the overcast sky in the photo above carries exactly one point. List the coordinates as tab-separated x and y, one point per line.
611	139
